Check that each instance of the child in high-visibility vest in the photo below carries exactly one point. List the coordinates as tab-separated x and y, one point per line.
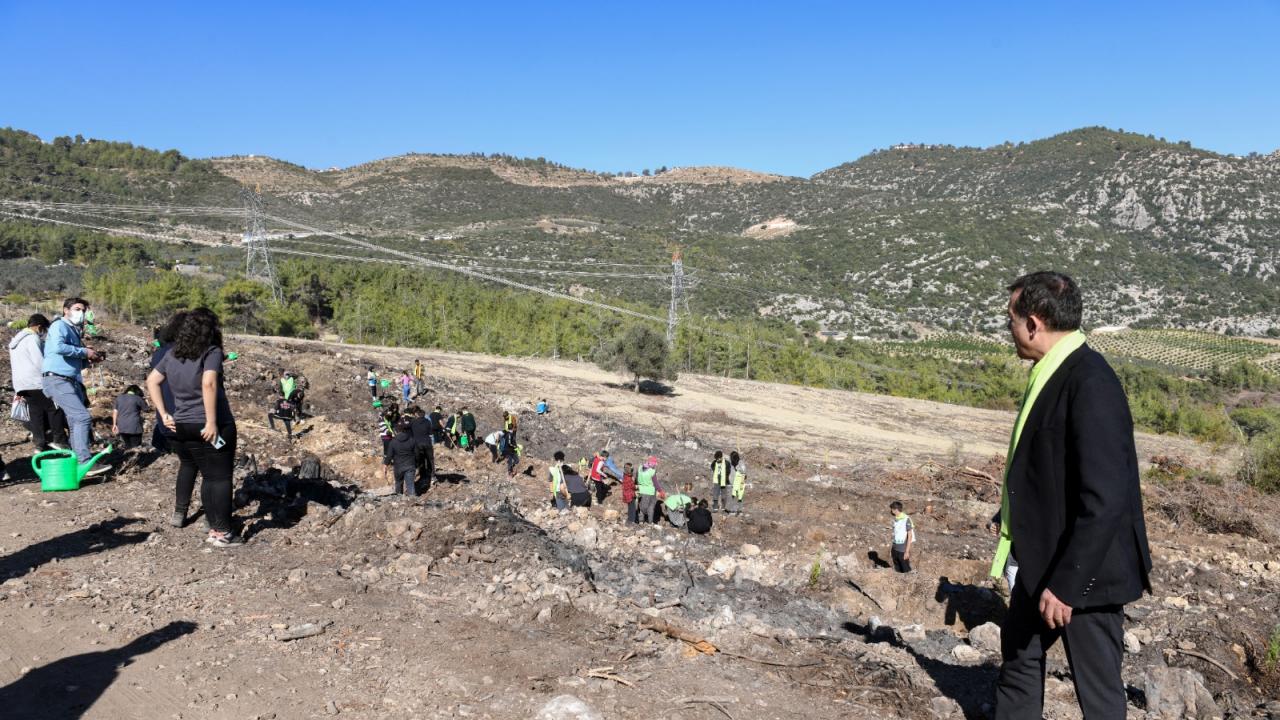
720	482
559	492
738	469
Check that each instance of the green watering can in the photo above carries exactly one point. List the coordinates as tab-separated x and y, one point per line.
59	470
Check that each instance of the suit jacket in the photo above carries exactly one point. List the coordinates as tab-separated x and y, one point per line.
1075	505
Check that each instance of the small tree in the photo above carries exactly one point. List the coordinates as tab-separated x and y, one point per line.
641	352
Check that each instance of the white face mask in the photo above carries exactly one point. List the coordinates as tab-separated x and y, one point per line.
76	317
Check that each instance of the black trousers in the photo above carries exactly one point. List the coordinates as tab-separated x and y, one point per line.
426	458
131	440
215	466
1094	644
900	562
47	423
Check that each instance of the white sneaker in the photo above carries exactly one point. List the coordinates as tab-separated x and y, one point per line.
98	470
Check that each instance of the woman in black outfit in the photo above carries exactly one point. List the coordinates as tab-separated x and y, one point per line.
204	431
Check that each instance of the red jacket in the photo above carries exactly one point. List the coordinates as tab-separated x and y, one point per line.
628	487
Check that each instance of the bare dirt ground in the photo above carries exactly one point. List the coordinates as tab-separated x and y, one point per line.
478	600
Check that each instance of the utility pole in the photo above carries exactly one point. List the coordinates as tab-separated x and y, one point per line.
677	297
258	264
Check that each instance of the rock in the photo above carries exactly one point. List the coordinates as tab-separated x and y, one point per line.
945	707
986	637
725	566
912	634
848	564
339	603
966	654
305	630
1143	635
297	575
567	707
1131	643
611	515
1175	693
586	537
749	550
398	527
1178	603
331	708
724	618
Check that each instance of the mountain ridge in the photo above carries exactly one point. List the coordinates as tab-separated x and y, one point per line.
1158	233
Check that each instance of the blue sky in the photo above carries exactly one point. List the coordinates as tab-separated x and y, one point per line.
790	87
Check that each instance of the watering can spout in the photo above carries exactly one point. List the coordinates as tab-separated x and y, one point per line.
83	468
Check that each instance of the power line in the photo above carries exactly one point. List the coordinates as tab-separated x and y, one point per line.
465	271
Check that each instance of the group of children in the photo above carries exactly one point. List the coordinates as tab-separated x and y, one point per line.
642	493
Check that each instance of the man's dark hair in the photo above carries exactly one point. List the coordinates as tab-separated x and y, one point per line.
719	454
200	331
133	390
896	506
66	304
1051	296
38	321
559	456
734	457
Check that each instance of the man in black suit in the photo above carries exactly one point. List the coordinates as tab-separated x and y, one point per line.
1071	510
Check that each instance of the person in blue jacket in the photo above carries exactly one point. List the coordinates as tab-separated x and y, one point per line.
65	357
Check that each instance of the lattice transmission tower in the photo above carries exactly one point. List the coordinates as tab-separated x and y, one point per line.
258	264
679	296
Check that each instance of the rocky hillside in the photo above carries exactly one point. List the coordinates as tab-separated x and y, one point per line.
1159	233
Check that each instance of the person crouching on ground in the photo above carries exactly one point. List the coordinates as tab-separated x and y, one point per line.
402	455
579	495
699	519
492	441
676	504
126	417
904	536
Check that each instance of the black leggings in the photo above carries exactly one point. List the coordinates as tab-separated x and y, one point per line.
215	467
47	423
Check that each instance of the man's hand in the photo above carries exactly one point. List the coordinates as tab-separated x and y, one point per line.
1056	613
92	355
115	429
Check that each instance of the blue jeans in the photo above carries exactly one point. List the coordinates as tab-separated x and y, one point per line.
70	398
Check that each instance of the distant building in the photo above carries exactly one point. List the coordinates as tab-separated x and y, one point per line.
184	269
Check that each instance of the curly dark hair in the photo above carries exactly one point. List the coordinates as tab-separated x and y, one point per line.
199	331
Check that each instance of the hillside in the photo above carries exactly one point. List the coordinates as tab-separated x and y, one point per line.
1159	234
476	600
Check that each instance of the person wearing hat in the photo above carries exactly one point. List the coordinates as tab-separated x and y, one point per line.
647	488
26	356
402	455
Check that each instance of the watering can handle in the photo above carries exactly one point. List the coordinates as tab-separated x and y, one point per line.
37	459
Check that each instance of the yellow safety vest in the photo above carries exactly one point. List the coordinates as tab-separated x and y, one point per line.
720	472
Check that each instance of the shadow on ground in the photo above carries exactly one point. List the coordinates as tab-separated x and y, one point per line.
66	688
93	539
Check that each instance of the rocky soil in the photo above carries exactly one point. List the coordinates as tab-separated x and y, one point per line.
478	600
